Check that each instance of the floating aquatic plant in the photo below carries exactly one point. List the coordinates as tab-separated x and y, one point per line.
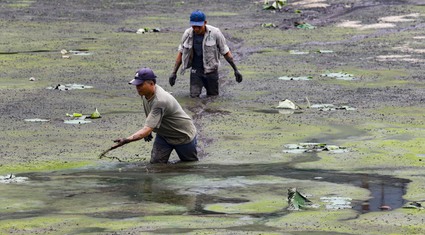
268	25
304	25
331	107
11	178
76	121
36	120
325	51
297	52
273	4
336	203
95	114
287	104
297	201
68	87
305	78
313	147
340	75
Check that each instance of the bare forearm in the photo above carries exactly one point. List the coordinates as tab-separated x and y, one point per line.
229	58
178	62
140	134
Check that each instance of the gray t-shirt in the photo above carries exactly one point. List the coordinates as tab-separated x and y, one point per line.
167	118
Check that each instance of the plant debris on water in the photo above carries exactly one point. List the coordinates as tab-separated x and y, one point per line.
36	120
9	179
336	202
340	75
297	201
331	107
298	52
67	87
305	78
240	183
313	147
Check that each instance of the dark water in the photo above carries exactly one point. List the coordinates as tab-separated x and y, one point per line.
143	183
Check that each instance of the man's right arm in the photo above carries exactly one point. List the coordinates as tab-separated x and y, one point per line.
140	134
173	76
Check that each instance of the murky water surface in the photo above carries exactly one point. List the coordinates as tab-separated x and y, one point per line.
119	190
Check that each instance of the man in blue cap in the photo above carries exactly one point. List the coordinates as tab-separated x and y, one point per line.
173	127
200	50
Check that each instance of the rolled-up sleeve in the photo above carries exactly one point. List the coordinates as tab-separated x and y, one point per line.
154	118
221	43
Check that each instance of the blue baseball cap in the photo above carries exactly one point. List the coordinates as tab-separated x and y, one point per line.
197	18
142	75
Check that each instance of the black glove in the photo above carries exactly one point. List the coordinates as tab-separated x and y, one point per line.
172	79
238	76
148	138
121	142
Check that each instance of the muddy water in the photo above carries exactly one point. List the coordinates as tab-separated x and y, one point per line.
119	191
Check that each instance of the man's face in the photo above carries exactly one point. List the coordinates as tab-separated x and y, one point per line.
199	29
143	88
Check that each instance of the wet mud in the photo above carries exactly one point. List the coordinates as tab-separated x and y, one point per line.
144	184
240	184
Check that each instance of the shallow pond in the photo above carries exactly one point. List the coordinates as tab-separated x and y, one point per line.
123	190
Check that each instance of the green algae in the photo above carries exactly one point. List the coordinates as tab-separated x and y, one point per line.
264	206
256	141
40	165
415	190
295	37
19	4
246	142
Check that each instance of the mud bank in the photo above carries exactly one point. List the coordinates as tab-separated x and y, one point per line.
379	42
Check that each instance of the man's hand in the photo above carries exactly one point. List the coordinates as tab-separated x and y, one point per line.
148	138
238	76
121	142
172	79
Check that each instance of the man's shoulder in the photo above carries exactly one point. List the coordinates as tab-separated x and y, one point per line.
214	31
188	31
162	95
212	28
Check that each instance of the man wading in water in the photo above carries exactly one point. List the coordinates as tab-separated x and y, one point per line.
173	127
200	50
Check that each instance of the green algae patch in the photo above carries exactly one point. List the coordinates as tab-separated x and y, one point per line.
411	116
39	166
415	190
161	222
325	217
21	83
383	145
262	206
223	14
19	4
370	78
111	205
274	38
63	224
263	137
371	154
14	198
400	221
313	220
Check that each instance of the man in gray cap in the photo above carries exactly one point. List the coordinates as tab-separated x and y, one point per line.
173	127
200	50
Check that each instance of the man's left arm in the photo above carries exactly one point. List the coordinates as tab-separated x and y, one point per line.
229	58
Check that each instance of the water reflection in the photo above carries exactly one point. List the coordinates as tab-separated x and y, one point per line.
137	190
386	194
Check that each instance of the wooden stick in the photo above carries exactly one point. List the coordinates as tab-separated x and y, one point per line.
106	151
